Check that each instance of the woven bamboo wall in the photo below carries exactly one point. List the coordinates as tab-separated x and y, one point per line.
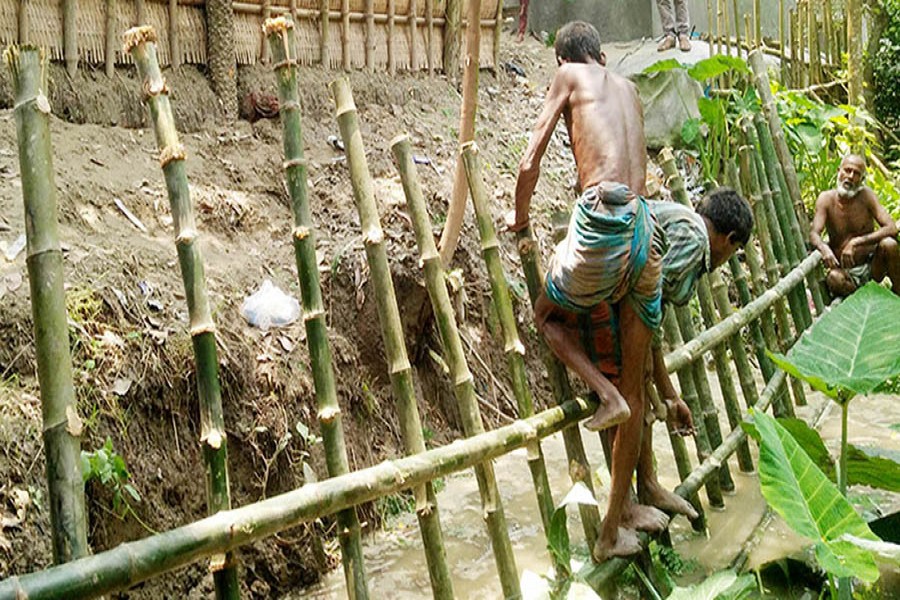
45	28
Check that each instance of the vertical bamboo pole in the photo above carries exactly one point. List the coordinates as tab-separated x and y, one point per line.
141	43
498	31
60	423
803	65
757	23
829	34
853	11
707	308
111	38
345	35
429	35
736	17
23	28
710	23
174	41
782	39
736	344
512	345
579	467
413	36
140	13
457	207
391	53
70	35
292	7
363	195
452	17
690	396
781	149
280	33
748	31
264	45
220	53
370	36
324	32
795	66
813	43
719	32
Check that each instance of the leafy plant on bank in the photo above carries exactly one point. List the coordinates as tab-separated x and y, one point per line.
819	135
853	349
108	468
885	63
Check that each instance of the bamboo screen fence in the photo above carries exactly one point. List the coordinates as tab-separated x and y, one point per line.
181	24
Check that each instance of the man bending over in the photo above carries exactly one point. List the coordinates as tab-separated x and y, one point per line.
856	251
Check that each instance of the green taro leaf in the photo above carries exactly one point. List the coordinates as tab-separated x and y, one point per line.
723	585
873	467
853	348
690	131
717	65
811	443
712	111
663	65
811	504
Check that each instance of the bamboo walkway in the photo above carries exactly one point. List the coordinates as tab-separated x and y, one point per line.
782	282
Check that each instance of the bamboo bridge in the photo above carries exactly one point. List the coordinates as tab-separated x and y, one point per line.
778	298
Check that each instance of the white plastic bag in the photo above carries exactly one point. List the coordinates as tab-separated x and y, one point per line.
269	307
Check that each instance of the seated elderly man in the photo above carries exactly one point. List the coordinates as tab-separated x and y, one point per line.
856	251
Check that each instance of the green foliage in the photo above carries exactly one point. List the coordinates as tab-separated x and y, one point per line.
885	65
809	503
723	585
853	349
820	135
108	467
704	70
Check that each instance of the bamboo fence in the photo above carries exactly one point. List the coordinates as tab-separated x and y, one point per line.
357	34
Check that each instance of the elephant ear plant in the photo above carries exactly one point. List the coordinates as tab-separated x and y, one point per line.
852	350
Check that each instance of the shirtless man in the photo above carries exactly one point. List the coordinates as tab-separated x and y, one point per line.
607	254
856	252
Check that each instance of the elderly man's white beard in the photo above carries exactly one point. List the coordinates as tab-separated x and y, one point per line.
847	190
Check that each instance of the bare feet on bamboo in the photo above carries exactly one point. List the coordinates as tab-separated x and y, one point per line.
645	518
625	544
611	412
667	501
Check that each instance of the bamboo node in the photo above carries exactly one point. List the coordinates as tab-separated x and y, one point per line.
526	246
373	236
328	414
136	36
186	236
312	315
288	62
170	153
217	562
277	25
209	327
294	162
213	439
291	105
40	101
301	232
74	424
515	346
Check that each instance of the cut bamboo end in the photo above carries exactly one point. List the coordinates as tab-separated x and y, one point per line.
213	439
136	36
155	87
171	153
399	139
328	414
278	25
468	147
301	232
373	236
186	236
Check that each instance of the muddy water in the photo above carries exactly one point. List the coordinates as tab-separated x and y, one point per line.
396	564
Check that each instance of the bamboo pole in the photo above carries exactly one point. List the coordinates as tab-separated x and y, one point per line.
280	33
498	31
748	31
757	64
221	54
757	24
855	36
264	45
391	56
795	61
429	35
456	209
133	562
23	27
292	7
413	36
140	13
803	74
174	41
60	423
782	41
512	345
690	396
711	25
141	43
345	35
370	35
828	34
579	467
464	389
718	25
736	17
111	38
812	45
324	32
70	35
452	17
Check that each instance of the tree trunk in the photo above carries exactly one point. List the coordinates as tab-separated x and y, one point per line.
221	56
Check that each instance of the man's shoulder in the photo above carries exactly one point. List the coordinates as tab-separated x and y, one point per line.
826	198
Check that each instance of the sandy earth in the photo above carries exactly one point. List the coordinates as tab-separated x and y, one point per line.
133	365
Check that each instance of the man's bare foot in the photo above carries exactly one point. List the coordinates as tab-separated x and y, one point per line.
626	544
608	415
667	501
645	518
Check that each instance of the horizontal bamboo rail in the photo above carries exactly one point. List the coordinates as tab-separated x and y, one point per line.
133	562
695	348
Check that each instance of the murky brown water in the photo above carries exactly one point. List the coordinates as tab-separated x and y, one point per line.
396	564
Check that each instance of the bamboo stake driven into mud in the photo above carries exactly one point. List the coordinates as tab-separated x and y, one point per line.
140	42
412	19
561	388
280	34
512	345
345	35
324	32
111	39
370	36
70	35
23	27
61	426
391	50
429	36
452	18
